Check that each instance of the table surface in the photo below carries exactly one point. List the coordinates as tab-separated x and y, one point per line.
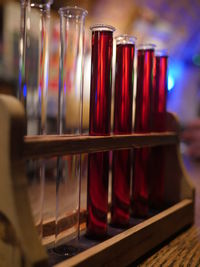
184	249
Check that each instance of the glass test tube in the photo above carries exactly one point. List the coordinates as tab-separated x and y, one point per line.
159	99
72	30
34	62
99	124
121	165
143	116
33	88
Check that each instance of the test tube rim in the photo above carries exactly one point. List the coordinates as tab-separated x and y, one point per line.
146	46
131	39
161	53
102	27
36	3
65	11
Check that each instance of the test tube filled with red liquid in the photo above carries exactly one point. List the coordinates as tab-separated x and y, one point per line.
143	117
159	98
99	124
121	165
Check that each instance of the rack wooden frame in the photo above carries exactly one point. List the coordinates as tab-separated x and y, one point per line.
17	231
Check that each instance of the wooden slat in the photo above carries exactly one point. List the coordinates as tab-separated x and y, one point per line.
128	246
51	145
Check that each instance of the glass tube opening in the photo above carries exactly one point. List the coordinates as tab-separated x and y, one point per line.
40	3
102	27
73	12
161	53
125	39
146	47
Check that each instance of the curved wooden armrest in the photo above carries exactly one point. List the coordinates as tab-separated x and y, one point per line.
19	243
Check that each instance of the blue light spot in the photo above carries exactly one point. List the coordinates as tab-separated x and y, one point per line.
39	92
175	73
24	90
171	82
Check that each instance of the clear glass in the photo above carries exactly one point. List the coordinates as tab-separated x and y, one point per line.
72	27
72	21
33	88
34	63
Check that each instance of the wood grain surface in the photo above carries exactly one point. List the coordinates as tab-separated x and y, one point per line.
184	250
54	145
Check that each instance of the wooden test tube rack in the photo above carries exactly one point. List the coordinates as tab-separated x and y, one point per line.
19	243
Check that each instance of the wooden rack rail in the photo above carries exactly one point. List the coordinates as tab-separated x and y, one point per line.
47	146
19	244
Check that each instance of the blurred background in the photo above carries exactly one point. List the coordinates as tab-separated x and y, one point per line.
174	25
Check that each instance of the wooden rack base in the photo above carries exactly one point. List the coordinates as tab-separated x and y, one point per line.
19	244
126	247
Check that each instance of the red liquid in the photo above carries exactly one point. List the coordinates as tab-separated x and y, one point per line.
98	169
122	124
159	125
121	169
101	83
159	93
100	106
140	189
144	91
143	118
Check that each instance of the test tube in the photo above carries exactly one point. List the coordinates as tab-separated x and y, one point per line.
72	30
34	62
121	165
159	98
33	89
143	124
156	175
99	124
